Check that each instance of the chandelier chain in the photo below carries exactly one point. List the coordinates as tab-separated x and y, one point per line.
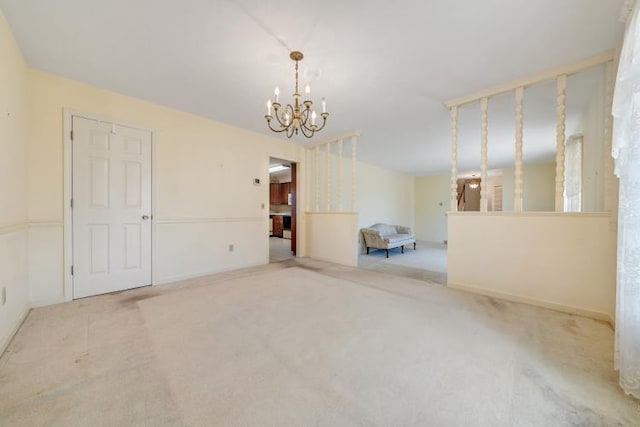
296	76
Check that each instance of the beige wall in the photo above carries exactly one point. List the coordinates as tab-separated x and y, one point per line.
203	172
384	196
13	186
432	191
432	203
204	197
558	260
538	187
592	128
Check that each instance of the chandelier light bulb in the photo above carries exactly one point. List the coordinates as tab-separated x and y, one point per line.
324	105
268	107
307	89
276	91
313	118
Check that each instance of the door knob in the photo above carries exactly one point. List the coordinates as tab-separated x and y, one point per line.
145	217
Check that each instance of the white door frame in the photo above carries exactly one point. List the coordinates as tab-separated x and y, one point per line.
68	191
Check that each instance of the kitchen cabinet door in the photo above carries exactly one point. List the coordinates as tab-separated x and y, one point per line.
278	225
274	194
284	192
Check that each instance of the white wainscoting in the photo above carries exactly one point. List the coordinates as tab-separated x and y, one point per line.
14	278
182	248
186	248
46	263
333	237
563	261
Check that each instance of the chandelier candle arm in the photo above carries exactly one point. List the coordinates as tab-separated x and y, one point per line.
295	118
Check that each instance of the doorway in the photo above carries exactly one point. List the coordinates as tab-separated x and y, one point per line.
110	207
282	209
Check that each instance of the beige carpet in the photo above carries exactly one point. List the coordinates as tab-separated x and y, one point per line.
279	249
298	348
306	343
427	262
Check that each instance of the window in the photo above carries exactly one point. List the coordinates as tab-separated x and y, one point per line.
573	174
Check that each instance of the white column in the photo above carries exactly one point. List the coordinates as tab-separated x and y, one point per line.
610	190
484	128
517	199
328	167
561	96
453	205
317	177
340	175
353	173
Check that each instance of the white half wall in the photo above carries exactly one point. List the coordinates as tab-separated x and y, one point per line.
563	261
45	263
333	237
14	280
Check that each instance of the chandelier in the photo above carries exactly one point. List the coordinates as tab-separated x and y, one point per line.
474	183
299	117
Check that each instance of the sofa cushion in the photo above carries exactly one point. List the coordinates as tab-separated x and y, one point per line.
384	229
398	238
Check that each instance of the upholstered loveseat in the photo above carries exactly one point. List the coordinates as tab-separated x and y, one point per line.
385	236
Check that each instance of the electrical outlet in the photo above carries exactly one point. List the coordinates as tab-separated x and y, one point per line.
231	247
4	295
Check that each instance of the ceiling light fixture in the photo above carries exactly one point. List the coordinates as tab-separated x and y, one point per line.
298	117
474	183
277	168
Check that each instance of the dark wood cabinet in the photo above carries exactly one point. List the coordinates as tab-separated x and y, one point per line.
278	225
279	193
274	194
284	192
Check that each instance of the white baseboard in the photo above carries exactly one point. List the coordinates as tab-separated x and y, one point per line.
48	301
537	302
5	342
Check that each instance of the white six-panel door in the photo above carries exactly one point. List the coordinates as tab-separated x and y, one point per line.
111	207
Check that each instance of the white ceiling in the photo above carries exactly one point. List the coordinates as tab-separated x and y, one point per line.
384	67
